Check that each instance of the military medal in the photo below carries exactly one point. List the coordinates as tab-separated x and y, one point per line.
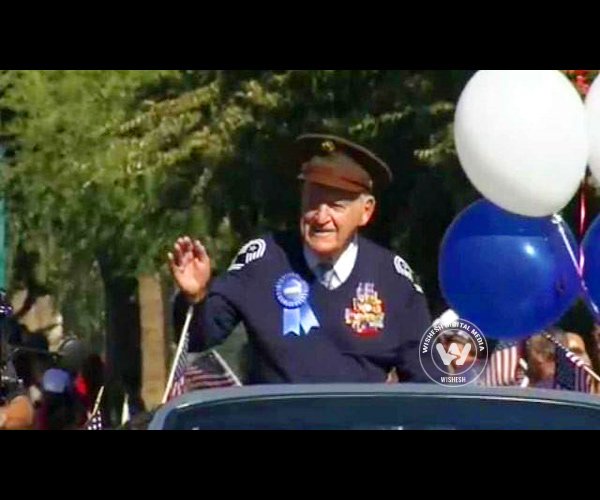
292	294
367	313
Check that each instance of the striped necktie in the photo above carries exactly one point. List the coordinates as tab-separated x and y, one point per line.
325	274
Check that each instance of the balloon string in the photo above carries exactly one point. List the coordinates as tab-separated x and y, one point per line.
557	219
582	217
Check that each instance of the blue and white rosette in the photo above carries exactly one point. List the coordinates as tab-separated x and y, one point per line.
292	293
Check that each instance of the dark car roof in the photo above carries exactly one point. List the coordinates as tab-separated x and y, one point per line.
379	406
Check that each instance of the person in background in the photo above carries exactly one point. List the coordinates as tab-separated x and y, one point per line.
574	342
16	409
540	353
61	409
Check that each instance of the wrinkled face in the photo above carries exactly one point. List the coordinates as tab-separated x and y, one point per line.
330	218
576	345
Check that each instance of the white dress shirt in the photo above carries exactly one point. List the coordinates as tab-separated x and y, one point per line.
342	267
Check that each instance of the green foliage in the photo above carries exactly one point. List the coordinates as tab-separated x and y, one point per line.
62	198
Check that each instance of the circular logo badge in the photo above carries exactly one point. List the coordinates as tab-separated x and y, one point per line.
453	353
291	290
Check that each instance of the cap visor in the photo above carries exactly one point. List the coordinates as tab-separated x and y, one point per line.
334	182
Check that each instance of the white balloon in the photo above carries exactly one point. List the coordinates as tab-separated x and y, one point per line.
592	108
521	139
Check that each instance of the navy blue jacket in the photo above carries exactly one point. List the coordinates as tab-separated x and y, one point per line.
370	324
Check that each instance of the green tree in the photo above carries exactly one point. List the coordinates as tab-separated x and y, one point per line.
70	205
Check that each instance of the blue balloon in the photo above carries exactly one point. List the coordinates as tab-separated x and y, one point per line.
591	268
509	274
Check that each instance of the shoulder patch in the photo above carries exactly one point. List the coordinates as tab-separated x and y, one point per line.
253	250
404	269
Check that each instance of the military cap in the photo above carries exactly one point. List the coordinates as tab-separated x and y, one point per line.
339	163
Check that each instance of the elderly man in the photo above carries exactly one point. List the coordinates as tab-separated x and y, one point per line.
320	305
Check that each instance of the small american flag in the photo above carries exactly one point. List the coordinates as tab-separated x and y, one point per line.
206	371
570	373
196	379
178	385
209	371
504	367
95	422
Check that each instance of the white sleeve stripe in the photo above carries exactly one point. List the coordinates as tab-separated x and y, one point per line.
258	253
244	257
405	270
